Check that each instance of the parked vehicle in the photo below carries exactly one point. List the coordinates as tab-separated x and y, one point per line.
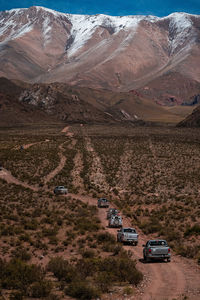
115	221
127	235
103	202
156	249
112	212
60	190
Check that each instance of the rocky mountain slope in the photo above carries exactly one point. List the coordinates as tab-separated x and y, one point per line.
193	120
100	51
172	88
22	103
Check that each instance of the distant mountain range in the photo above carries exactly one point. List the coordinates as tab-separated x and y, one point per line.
157	57
98	68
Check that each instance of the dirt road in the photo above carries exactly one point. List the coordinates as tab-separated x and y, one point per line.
162	281
7	176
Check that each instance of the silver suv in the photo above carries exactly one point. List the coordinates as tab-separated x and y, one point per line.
127	235
112	212
156	249
60	190
103	202
115	221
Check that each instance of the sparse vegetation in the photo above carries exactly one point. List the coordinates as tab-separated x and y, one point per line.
151	175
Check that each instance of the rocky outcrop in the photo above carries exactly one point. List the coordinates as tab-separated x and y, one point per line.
193	120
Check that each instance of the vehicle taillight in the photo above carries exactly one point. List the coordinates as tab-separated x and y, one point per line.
169	250
150	250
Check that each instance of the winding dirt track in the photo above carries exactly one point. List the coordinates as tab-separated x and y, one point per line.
162	281
7	176
59	167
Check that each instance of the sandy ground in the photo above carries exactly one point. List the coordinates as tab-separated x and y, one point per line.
162	281
67	131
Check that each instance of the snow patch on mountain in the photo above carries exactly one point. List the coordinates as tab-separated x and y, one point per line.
17	22
84	26
47	30
8	30
180	28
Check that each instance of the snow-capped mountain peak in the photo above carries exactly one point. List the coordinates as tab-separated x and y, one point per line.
45	45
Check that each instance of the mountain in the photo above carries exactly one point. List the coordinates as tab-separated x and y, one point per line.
193	120
172	88
42	103
126	53
13	113
23	103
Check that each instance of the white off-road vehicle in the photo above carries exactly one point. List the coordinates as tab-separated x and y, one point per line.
115	221
127	235
112	212
60	190
103	202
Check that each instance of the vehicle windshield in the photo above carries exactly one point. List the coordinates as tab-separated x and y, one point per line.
129	230
112	210
158	243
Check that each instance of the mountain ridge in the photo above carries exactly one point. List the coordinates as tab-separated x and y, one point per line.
22	103
119	53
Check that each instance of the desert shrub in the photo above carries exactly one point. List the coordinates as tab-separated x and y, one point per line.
121	269
40	289
49	232
107	242
108	247
151	226
105	237
128	290
16	274
21	254
103	281
53	296
25	237
86	224
194	230
88	253
82	290
188	251
30	224
53	240
61	269
16	295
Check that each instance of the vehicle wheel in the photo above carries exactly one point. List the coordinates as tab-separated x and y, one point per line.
168	259
146	259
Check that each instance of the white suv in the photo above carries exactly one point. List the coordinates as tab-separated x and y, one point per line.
60	190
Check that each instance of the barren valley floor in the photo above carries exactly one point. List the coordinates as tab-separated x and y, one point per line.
151	174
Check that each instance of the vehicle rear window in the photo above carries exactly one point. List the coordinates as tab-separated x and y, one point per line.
129	230
158	243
